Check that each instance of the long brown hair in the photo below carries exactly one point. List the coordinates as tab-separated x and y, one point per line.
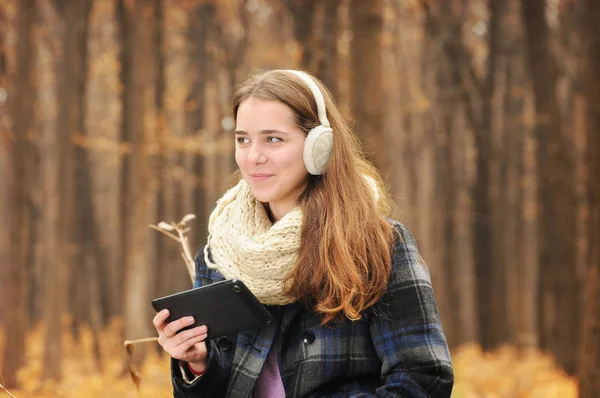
345	253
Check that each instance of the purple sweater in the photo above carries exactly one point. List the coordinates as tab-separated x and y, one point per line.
269	383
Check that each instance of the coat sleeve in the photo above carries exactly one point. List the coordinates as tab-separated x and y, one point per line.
406	329
216	375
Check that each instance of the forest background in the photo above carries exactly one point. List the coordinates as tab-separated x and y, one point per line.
483	117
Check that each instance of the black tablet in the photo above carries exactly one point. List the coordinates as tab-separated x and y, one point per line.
225	307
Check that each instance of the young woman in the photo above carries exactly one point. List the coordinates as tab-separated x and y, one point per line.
306	230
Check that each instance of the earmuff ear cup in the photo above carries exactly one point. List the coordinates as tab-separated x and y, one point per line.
317	149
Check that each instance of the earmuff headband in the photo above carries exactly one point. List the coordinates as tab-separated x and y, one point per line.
316	93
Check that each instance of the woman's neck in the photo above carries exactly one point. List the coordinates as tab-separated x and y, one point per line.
269	213
276	213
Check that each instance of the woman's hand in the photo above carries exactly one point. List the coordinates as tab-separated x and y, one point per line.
188	346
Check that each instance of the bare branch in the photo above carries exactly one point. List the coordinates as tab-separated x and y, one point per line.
181	230
2	388
174	237
126	343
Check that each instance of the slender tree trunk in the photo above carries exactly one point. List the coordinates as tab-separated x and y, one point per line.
487	220
176	198
19	199
168	193
66	18
439	88
366	80
71	74
327	60
447	199
51	166
91	256
521	276
589	360
102	121
137	192
198	36
6	25
303	16
560	293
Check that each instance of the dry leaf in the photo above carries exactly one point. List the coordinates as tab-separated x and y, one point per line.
187	218
133	370
166	226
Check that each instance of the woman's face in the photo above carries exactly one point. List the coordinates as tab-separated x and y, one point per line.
268	151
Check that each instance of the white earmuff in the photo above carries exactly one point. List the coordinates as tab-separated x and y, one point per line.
319	141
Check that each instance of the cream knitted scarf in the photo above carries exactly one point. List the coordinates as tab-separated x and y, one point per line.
244	244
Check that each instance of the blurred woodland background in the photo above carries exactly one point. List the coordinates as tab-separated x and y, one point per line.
483	116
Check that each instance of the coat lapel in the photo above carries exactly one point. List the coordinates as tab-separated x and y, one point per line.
252	350
249	358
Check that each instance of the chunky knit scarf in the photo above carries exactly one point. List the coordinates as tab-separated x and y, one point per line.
244	244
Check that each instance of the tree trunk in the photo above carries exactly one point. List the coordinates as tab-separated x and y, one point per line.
328	50
19	203
102	123
521	276
488	248
51	168
175	190
166	249
589	361
366	81
59	175
560	294
303	16
6	78
91	256
198	36
137	99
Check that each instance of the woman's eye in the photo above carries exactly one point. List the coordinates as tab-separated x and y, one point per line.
241	140
273	139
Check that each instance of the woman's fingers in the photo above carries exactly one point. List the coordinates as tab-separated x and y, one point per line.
180	343
193	349
159	320
183	337
173	327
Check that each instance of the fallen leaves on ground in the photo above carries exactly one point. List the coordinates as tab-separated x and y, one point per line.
508	372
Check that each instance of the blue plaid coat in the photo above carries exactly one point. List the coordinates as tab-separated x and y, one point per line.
397	349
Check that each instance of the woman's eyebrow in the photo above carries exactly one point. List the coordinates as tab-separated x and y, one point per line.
263	132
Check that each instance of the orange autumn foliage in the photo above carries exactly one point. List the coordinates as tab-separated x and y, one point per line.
81	378
505	372
508	372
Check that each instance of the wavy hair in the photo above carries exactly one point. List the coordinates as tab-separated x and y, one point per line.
345	254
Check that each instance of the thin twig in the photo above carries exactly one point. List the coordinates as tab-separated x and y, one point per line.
181	229
6	391
189	260
2	387
144	340
170	235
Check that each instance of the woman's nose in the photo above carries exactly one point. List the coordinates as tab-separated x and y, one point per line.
255	154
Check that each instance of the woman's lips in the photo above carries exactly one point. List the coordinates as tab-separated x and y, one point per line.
260	177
